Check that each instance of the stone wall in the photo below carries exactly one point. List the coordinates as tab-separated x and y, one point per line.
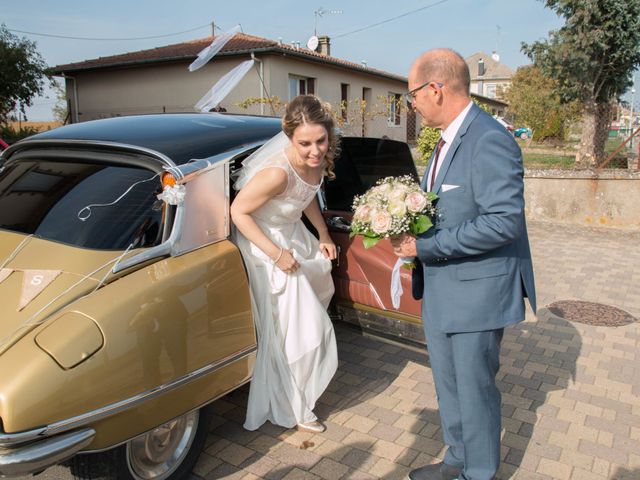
609	198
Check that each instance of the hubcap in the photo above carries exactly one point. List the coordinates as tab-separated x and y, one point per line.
158	453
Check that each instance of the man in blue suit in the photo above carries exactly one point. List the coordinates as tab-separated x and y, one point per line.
475	264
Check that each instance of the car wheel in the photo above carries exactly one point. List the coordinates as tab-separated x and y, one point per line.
168	452
524	135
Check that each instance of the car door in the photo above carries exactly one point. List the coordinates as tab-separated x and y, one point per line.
362	276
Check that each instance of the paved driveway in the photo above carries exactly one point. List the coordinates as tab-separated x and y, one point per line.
571	392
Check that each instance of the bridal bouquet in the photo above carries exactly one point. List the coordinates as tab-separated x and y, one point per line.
395	205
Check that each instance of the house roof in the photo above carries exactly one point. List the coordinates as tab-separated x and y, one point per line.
492	68
240	44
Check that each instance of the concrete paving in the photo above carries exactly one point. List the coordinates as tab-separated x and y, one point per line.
571	391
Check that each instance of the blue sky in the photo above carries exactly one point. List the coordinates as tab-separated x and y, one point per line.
467	26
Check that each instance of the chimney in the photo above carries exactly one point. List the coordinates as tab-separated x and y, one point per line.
324	45
495	56
480	67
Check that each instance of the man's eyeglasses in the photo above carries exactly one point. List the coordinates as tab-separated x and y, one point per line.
411	94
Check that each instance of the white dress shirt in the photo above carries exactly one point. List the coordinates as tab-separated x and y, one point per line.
448	134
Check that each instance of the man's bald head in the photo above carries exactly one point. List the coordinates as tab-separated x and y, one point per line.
445	66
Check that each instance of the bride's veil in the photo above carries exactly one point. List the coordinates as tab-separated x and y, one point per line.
261	159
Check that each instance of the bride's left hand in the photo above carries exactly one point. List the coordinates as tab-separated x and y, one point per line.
327	247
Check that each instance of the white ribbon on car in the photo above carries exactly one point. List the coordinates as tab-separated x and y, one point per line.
83	216
209	52
29	322
396	281
223	87
173	194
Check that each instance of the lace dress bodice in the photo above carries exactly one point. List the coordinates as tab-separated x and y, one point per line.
287	207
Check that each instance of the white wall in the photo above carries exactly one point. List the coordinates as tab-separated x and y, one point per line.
172	88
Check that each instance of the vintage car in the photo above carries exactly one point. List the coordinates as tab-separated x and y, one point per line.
124	315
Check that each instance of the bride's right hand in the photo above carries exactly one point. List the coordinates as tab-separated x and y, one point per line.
287	263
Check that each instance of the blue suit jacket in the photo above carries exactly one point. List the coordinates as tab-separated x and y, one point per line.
476	261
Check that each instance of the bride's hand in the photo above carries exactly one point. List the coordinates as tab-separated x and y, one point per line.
287	263
327	247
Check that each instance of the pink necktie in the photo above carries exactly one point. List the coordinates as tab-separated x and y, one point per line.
435	162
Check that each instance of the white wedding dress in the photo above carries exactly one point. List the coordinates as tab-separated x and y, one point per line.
297	354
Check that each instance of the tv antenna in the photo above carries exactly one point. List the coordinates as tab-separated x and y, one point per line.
319	13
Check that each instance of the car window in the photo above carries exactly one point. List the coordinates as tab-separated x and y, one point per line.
48	199
362	162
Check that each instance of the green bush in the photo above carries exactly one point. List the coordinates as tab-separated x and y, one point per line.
11	136
427	141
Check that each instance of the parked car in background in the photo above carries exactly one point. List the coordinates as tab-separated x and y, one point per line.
522	133
3	145
124	316
504	123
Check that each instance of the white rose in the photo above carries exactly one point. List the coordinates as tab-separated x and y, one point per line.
399	192
397	208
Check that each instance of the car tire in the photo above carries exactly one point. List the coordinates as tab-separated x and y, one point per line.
524	136
168	452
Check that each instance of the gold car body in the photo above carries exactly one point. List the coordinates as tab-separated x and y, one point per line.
123	341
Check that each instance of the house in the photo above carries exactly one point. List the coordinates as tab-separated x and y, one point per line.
489	77
367	101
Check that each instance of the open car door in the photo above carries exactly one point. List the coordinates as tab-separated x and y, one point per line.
362	276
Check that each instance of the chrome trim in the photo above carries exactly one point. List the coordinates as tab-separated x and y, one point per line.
208	402
166	161
37	456
10	439
183	172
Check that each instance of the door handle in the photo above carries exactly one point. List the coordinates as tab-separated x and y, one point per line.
337	259
339	223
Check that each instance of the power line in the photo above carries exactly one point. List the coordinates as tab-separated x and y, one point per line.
109	39
389	19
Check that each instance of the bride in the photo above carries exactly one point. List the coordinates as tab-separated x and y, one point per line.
289	269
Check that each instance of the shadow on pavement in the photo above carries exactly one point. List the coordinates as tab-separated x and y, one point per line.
381	411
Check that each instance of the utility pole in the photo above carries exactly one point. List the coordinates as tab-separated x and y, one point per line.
633	95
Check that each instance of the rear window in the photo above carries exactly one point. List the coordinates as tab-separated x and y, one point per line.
362	162
48	199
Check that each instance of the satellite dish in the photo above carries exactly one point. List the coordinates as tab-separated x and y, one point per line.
312	43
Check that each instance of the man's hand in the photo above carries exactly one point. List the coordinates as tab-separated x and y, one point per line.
404	245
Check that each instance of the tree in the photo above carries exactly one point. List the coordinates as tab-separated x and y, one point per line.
534	102
592	57
23	73
60	109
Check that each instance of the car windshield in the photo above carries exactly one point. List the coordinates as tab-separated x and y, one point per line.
50	199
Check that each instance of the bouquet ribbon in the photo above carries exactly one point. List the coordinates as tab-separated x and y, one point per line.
396	283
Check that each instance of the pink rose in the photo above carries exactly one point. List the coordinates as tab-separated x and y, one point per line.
362	213
416	202
380	221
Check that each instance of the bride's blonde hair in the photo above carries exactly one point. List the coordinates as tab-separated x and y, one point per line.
309	109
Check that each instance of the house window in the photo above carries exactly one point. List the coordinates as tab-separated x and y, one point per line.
344	101
490	90
301	86
394	108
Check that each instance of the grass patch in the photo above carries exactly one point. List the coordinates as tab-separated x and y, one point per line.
548	161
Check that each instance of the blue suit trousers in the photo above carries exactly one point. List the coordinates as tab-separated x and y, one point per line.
464	367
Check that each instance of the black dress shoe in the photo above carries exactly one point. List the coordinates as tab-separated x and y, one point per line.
437	471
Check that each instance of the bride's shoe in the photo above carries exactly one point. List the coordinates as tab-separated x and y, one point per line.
311	427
